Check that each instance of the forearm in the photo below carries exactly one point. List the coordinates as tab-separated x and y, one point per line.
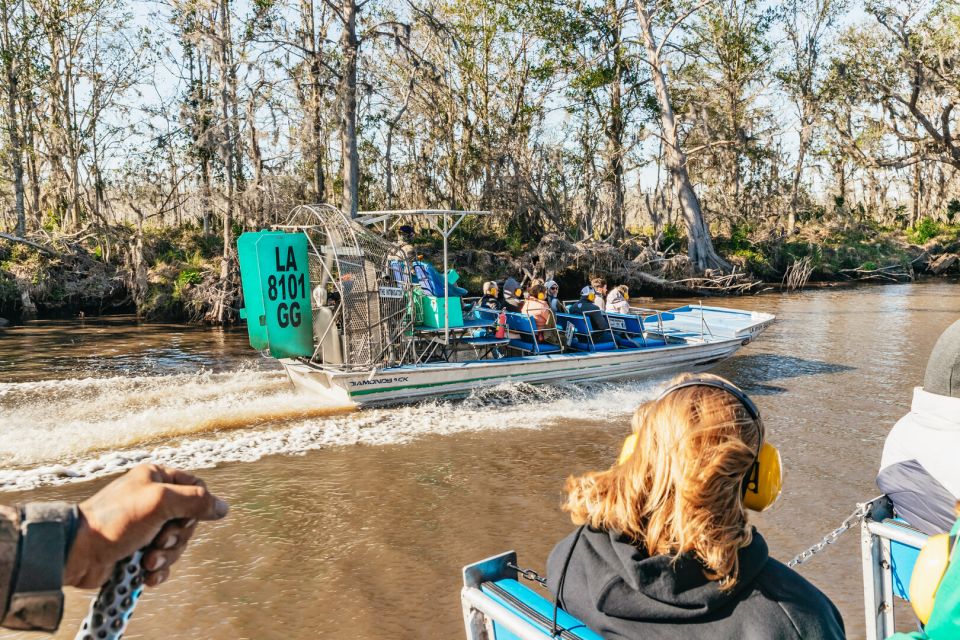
34	542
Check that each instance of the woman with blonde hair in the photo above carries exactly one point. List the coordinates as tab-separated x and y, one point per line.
664	549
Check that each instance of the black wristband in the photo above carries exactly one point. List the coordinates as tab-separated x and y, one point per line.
47	531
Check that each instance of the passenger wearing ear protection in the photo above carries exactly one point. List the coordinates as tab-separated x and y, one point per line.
512	295
618	300
553	293
664	549
490	299
587	306
536	307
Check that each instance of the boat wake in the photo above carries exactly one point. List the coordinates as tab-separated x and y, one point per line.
76	430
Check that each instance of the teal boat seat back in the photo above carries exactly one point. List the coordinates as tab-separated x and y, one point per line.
534	608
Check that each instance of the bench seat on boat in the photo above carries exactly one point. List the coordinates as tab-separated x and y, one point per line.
534	608
629	331
585	337
523	331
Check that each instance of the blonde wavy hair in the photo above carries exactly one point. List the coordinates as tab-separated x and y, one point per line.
681	490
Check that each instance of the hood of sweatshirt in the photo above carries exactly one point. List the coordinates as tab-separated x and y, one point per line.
623	581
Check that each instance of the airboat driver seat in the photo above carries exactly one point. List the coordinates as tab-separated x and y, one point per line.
325	332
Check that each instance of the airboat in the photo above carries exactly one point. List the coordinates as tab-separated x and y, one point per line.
360	318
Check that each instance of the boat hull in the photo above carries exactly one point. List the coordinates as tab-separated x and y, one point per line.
399	385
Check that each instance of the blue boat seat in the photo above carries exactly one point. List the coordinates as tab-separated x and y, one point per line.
431	281
483	313
533	607
585	337
398	271
628	330
902	559
525	329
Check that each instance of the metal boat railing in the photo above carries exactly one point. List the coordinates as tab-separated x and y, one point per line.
883	565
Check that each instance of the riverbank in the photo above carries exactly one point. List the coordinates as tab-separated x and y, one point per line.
174	274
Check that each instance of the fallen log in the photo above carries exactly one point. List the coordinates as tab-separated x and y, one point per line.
30	243
942	263
889	273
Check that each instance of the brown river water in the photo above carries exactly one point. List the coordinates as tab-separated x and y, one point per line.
356	524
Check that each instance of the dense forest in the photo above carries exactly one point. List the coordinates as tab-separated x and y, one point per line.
699	141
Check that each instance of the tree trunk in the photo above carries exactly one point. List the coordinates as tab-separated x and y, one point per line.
221	311
11	64
806	132
917	212
350	47
615	131
256	162
699	244
388	151
313	107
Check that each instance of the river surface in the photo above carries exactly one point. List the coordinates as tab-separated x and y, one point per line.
356	524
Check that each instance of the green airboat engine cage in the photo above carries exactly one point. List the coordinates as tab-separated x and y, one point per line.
276	290
334	292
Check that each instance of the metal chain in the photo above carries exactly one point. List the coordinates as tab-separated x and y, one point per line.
529	574
849	522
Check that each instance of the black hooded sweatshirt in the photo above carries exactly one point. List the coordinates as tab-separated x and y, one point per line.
621	593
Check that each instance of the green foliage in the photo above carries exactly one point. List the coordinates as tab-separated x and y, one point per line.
740	236
673	234
188	277
9	292
923	231
753	260
185	279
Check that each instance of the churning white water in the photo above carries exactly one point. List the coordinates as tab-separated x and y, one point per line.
57	431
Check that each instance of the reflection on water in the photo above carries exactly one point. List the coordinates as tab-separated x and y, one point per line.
118	346
367	541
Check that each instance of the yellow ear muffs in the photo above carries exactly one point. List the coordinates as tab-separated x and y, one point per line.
765	479
518	292
541	296
761	487
591	297
928	572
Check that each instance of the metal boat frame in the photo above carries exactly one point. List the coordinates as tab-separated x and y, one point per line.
369	348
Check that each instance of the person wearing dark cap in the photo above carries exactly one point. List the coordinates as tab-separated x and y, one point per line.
512	295
587	306
919	470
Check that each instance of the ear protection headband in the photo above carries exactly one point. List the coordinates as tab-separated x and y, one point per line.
764	480
929	570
